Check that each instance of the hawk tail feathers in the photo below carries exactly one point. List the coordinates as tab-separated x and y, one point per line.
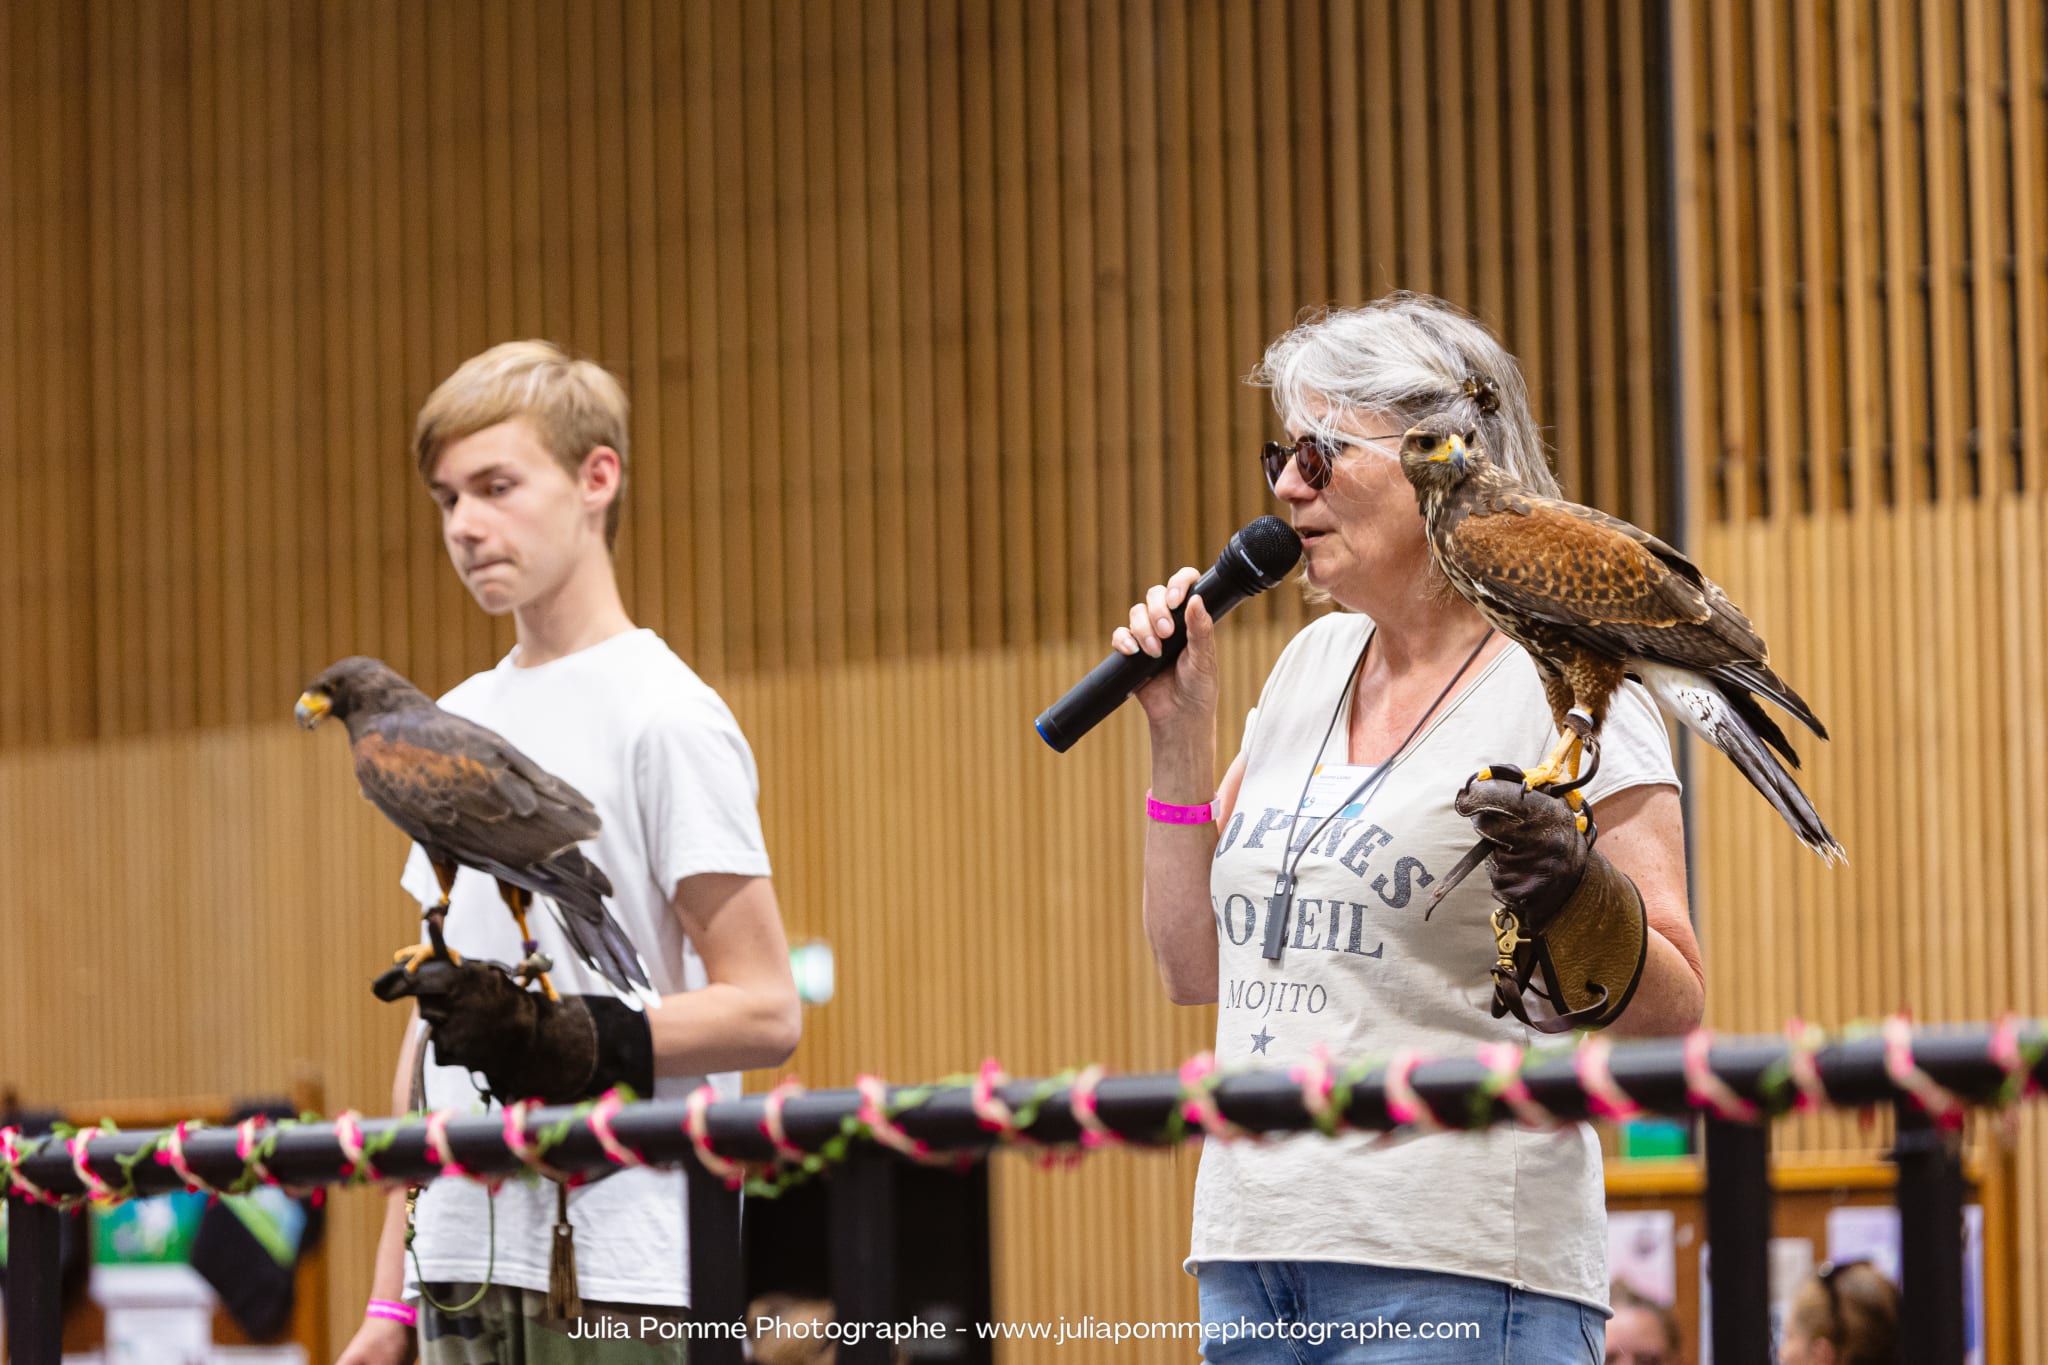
1704	707
1759	720
1761	679
605	949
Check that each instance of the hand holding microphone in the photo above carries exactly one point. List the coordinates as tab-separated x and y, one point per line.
1175	617
1173	608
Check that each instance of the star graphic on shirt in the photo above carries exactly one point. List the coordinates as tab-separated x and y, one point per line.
1260	1039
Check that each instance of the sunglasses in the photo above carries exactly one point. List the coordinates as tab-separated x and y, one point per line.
1314	455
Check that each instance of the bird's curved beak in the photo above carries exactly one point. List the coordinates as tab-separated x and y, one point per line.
1453	450
312	709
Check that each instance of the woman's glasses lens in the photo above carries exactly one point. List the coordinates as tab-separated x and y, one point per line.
1311	454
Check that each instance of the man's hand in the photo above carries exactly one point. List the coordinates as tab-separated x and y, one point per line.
1539	842
523	1044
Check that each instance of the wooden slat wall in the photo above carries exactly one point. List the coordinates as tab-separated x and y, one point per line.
1862	189
934	315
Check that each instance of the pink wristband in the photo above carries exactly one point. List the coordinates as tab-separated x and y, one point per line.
1168	814
393	1310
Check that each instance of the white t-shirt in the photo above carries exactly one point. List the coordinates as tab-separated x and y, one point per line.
1363	973
629	725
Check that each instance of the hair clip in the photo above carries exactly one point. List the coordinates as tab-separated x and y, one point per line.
1484	393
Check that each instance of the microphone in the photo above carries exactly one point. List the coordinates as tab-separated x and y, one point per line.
1256	558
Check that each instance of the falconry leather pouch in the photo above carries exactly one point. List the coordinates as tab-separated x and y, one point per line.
1590	955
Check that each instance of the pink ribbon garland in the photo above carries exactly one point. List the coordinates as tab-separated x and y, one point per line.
1604	1096
245	1148
771	1120
1318	1084
1936	1100
172	1154
1404	1104
698	1125
2011	1058
1503	1061
1198	1099
96	1189
522	1146
437	1145
874	1100
1802	1063
11	1156
989	1109
1081	1103
601	1113
1705	1089
348	1135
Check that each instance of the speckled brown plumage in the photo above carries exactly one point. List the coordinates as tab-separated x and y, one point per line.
467	796
1594	601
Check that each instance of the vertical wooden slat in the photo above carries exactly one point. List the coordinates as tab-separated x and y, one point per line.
1019	425
15	700
1063	87
947	552
1561	276
1489	162
1641	347
1112	456
1342	165
1152	420
1601	472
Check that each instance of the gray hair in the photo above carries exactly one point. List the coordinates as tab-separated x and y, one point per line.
1416	357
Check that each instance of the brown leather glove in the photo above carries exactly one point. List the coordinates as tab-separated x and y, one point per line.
522	1043
1540	843
1566	913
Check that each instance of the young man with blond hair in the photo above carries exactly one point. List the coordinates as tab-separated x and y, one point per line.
524	451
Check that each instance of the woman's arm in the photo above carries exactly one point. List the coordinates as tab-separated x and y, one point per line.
1642	832
1180	706
1179	920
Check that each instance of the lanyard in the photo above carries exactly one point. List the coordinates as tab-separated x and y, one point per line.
1282	900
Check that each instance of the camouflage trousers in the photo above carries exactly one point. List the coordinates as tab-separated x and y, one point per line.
511	1326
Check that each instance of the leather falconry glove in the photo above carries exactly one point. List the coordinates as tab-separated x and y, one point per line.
523	1044
1565	911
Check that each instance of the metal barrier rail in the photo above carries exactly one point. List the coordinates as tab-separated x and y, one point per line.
1737	1081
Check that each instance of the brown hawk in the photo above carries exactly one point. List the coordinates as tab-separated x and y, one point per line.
1595	600
468	798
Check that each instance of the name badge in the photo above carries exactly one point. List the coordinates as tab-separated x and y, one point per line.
1334	790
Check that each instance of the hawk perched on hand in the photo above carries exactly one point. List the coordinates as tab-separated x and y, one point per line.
468	798
1594	600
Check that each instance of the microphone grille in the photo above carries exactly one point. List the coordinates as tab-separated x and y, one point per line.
1272	547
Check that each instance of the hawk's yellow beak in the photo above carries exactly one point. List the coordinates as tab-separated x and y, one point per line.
1452	451
312	709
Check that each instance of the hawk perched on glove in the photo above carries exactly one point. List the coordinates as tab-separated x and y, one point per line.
468	798
1595	600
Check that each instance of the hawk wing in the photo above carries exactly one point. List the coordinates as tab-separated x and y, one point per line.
453	785
1602	582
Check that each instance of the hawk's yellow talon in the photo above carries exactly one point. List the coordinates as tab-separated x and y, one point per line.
1483	775
1582	824
1575	798
419	952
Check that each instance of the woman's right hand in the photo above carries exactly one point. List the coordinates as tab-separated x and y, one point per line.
379	1341
1187	691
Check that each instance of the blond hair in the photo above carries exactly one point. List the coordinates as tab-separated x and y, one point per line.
573	404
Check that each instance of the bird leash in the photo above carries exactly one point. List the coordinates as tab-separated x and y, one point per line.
417	1098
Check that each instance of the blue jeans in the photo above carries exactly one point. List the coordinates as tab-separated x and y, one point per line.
1330	1313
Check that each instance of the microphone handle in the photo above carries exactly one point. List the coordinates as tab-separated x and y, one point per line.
1096	696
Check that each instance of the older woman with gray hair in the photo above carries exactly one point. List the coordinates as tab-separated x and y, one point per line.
1293	895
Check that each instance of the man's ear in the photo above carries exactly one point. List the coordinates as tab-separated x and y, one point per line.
600	477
